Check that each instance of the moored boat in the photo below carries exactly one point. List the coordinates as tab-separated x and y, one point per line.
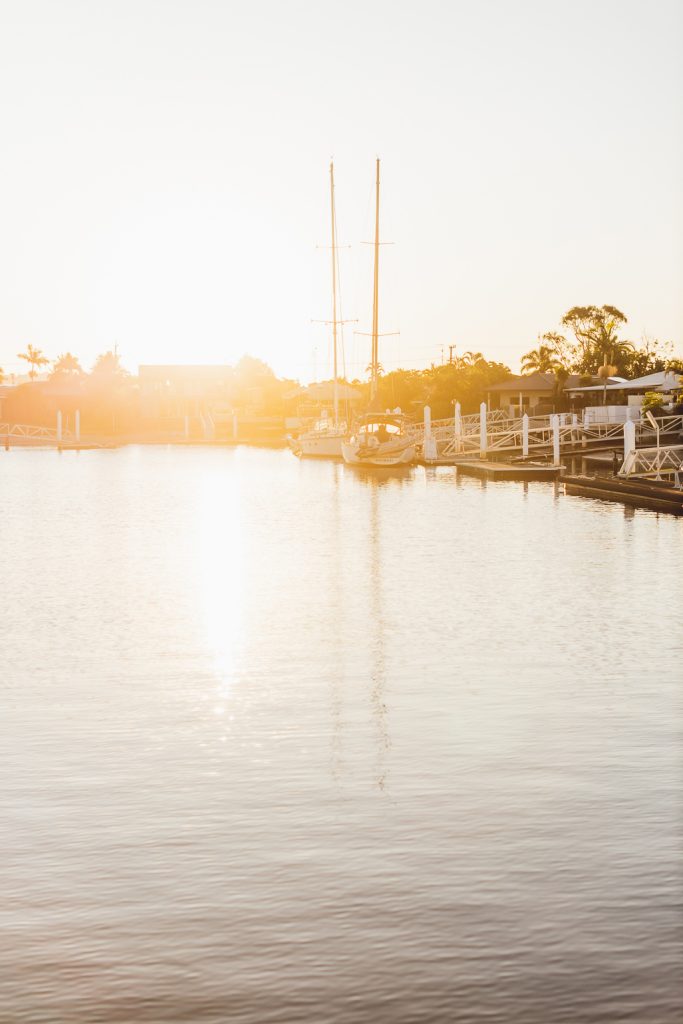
380	439
323	440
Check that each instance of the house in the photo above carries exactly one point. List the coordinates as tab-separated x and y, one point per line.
316	401
533	393
171	391
631	391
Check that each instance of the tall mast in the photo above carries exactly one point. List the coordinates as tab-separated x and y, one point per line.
374	362
334	295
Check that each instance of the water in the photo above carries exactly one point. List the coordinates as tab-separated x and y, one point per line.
281	742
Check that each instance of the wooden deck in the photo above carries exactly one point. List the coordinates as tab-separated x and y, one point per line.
508	470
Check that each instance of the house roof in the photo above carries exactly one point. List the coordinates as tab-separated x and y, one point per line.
665	380
533	382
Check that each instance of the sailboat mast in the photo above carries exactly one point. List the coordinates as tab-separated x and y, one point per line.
374	362
334	296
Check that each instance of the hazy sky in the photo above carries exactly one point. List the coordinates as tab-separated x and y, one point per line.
164	174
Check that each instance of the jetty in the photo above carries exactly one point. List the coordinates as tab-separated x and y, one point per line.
493	435
485	470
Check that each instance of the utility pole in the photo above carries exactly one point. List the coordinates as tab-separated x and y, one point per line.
450	353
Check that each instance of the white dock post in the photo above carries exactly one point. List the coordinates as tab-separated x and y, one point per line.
457	427
429	452
59	425
482	430
555	421
78	424
525	435
629	438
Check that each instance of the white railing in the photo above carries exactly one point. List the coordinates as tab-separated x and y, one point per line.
505	433
34	433
644	462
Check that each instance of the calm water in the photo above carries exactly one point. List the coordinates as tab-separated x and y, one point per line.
284	743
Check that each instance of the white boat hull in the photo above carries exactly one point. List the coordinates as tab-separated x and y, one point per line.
320	446
384	455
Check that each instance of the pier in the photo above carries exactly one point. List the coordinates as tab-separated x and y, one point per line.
494	435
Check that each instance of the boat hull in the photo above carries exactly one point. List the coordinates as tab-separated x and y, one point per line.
356	455
317	446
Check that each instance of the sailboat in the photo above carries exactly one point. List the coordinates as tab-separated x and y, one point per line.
378	439
324	439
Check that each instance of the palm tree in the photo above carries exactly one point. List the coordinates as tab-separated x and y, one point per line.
540	360
471	358
618	353
67	365
34	357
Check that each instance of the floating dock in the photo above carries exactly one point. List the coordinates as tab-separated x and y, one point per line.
656	495
508	470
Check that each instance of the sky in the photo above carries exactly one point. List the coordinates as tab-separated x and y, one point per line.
164	175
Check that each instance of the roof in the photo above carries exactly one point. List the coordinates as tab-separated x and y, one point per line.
665	380
533	382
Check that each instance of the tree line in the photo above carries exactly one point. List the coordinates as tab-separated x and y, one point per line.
590	339
596	342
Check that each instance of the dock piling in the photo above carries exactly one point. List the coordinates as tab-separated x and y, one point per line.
429	450
555	421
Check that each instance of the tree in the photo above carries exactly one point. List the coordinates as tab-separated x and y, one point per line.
35	358
66	366
564	350
540	360
108	365
402	388
651	357
252	372
469	359
595	329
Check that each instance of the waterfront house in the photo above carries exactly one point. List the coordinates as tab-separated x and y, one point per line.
534	393
629	392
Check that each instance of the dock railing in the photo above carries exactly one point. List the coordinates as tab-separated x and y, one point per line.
666	461
33	433
462	435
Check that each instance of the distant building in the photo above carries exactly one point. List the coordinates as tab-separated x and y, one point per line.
5	390
317	401
169	393
533	393
666	381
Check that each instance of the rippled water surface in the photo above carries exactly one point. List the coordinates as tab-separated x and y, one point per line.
280	742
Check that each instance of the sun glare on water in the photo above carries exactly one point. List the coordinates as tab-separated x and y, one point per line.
221	549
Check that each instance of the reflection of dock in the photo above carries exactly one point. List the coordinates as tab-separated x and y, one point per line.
508	470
